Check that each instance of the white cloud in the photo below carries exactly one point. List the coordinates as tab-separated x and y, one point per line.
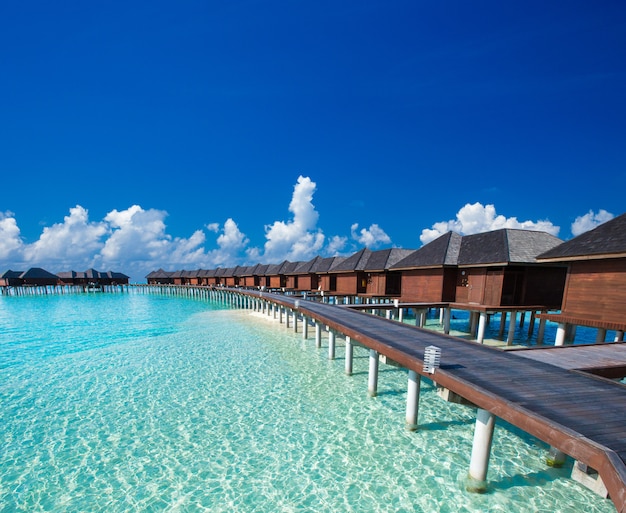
589	221
477	218
136	234
135	241
231	243
298	239
10	240
370	238
336	244
76	239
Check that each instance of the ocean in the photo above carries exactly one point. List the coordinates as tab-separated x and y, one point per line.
143	403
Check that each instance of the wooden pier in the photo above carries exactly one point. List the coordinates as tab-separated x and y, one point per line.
577	414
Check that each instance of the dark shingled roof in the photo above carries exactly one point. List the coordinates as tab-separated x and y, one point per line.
324	265
356	262
260	270
385	258
607	239
442	251
505	246
12	274
273	269
305	267
37	272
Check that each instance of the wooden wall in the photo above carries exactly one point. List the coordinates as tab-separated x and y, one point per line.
596	289
422	285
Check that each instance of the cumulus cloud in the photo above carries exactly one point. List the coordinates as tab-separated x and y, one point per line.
232	242
135	240
299	238
478	218
336	245
10	240
76	239
371	237
589	221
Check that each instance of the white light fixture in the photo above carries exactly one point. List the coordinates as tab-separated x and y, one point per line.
432	359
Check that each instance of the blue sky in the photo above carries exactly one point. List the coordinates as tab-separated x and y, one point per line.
138	135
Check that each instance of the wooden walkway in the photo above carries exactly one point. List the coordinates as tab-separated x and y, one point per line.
581	415
607	360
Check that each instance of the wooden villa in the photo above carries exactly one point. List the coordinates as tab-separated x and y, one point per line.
595	289
11	278
159	277
92	277
367	273
429	273
500	268
321	267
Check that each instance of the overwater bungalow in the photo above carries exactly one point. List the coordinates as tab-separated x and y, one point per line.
38	276
500	268
367	273
321	267
93	277
11	278
595	289
302	278
429	273
159	277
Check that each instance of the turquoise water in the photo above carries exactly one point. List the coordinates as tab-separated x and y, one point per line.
144	403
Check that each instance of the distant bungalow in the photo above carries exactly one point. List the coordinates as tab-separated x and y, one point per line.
36	276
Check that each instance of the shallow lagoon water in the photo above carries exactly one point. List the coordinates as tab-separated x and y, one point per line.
147	403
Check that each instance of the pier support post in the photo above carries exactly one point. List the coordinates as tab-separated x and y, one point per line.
295	321
331	345
619	336
555	458
446	320
541	331
473	323
481	450
511	334
412	400
318	335
305	327
560	334
280	314
349	356
482	324
600	336
372	376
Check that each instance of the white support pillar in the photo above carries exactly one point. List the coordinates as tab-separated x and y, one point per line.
481	450
305	327
555	458
447	313
541	331
560	334
619	336
412	400
295	321
388	313
482	324
511	334
441	315
372	376
287	317
600	336
331	345
422	318
349	355
401	314
318	335
280	314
